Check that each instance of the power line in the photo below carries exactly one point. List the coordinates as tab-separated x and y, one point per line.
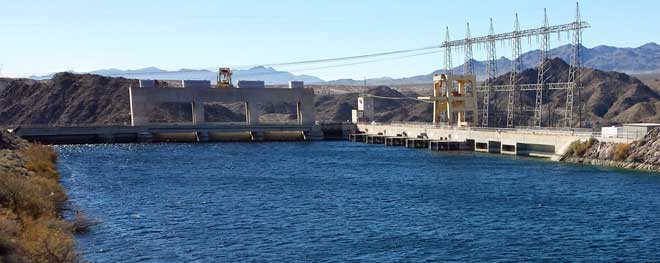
364	62
294	63
381	97
346	58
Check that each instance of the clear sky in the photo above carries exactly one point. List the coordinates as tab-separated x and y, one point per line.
39	37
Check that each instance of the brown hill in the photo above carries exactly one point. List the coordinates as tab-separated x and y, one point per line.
65	99
609	98
398	108
652	80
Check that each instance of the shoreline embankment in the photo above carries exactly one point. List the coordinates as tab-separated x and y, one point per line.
642	154
32	201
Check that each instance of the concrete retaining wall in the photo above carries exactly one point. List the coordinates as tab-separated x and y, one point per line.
539	143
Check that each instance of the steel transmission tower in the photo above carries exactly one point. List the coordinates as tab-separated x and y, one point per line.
544	66
491	72
575	70
467	66
514	87
516	69
448	62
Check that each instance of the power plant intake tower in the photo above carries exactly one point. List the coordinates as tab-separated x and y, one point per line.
454	99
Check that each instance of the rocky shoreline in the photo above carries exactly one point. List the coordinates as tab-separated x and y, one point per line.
643	154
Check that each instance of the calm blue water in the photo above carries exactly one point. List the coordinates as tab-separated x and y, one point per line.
341	201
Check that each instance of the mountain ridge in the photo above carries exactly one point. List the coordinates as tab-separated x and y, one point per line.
644	59
268	74
602	57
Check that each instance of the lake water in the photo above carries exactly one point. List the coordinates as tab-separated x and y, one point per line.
350	202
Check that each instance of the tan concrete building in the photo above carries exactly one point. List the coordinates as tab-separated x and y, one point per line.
454	98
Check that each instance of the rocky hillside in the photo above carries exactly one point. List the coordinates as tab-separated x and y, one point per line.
338	107
642	154
65	99
80	99
609	98
651	80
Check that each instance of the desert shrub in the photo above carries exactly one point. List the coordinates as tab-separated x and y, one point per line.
41	161
31	227
579	148
9	229
621	151
47	240
31	196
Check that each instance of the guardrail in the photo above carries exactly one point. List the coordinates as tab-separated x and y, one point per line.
628	136
156	125
586	132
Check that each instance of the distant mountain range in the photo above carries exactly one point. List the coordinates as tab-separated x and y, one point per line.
267	74
640	60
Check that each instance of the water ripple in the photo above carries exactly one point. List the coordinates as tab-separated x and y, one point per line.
344	202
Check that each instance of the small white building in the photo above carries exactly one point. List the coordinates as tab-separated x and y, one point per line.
365	111
611	132
638	130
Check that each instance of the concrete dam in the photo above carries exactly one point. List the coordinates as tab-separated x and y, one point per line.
143	100
457	134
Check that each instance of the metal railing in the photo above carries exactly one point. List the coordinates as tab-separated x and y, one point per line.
489	129
628	136
560	131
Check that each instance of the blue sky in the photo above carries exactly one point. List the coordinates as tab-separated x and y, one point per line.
46	36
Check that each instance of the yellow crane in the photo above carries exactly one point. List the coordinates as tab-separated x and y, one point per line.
224	78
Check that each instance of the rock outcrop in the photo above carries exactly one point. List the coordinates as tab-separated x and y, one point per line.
10	160
643	154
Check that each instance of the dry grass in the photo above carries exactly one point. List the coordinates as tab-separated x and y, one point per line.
622	151
41	161
579	148
31	227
